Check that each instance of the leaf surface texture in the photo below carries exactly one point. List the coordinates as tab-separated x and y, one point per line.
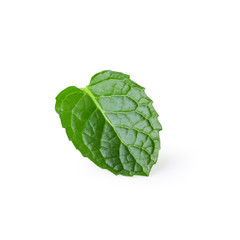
112	122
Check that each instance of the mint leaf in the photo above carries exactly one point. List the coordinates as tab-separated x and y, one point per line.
112	122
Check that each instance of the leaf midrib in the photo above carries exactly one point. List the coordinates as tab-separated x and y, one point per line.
88	91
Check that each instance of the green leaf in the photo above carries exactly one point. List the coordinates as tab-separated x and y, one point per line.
112	122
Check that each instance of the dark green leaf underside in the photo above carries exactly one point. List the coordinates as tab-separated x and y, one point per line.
112	122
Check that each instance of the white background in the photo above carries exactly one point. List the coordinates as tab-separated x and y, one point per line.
187	56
